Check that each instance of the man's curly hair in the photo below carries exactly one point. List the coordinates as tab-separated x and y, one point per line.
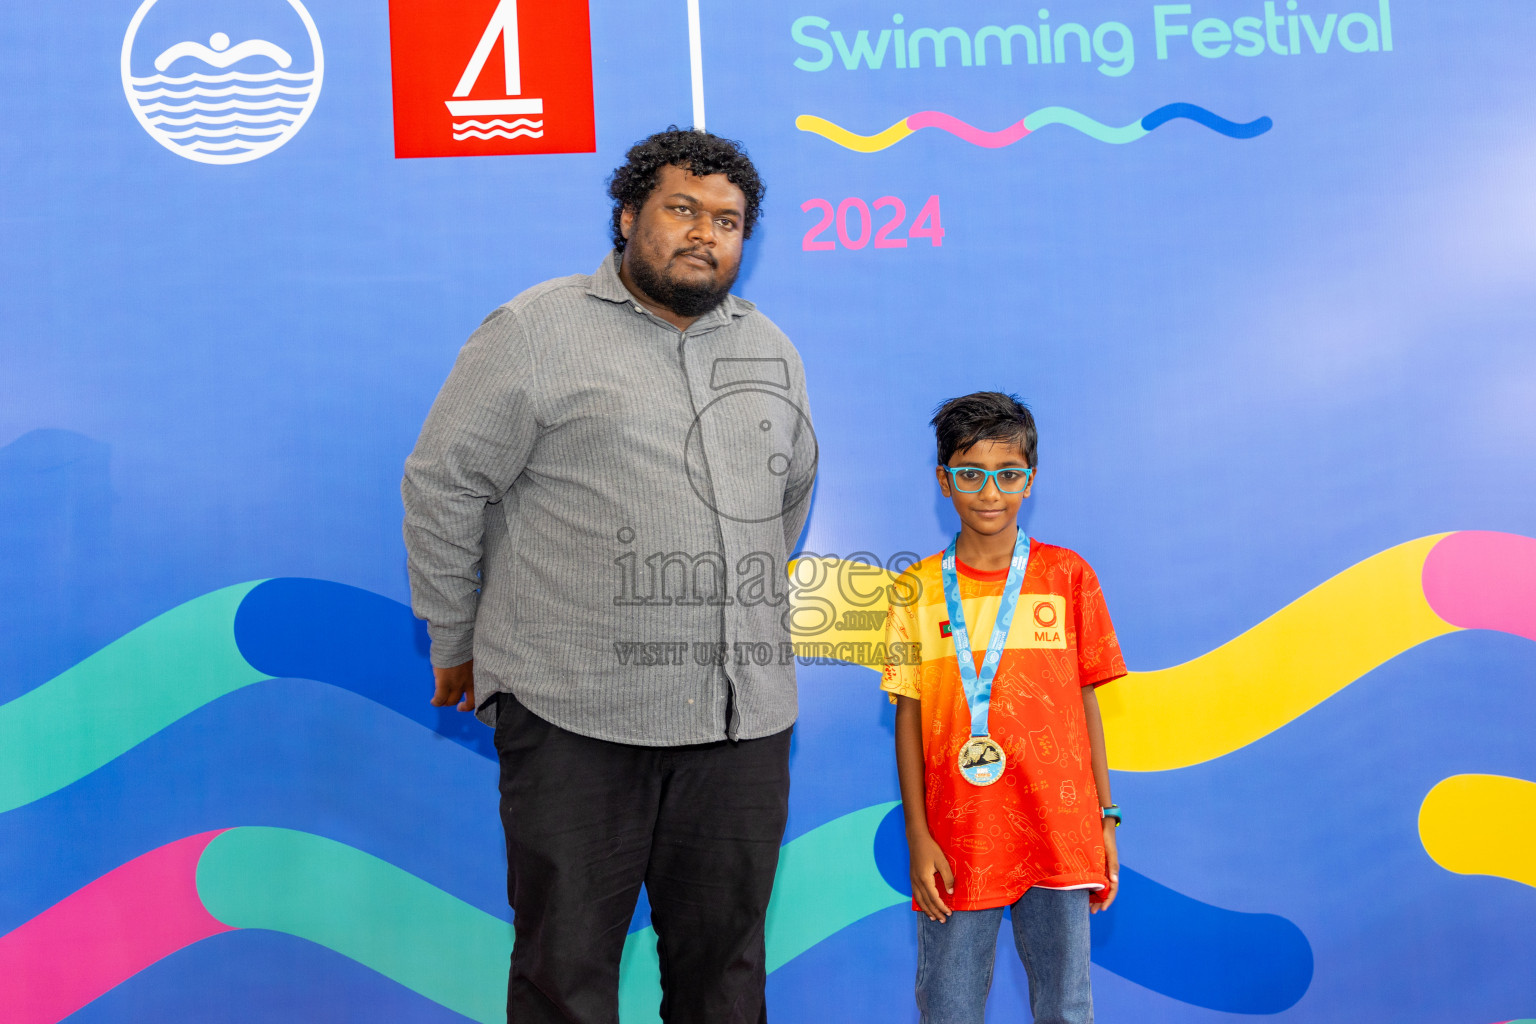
697	152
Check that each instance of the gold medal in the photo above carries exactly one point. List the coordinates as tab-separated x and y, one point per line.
982	761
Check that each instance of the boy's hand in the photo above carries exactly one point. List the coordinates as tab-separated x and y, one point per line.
1111	867
928	860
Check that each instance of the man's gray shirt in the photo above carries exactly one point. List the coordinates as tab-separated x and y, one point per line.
599	510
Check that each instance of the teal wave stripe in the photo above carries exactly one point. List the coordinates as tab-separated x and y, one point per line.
364	908
455	954
1085	124
640	979
120	696
827	880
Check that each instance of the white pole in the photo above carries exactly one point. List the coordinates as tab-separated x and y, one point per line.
696	64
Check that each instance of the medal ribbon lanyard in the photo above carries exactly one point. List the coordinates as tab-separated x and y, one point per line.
978	689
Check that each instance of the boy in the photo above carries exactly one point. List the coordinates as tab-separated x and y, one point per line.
999	744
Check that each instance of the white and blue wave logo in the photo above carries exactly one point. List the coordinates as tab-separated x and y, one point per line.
238	96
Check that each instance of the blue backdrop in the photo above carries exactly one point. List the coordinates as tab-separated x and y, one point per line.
1270	291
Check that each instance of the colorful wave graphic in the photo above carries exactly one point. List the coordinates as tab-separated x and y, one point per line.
286	881
1170	718
313	629
373	912
227	640
1031	123
1320	643
205	649
1301	655
291	752
361	642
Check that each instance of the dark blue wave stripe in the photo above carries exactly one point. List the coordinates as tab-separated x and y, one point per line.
1197	953
1171	943
1215	122
354	639
257	977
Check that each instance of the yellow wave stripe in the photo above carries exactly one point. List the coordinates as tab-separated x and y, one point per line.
1275	672
1249	686
1482	825
858	143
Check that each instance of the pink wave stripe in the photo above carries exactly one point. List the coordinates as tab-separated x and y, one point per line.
100	936
975	136
1481	580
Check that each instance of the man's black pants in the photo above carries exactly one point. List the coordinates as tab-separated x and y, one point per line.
587	821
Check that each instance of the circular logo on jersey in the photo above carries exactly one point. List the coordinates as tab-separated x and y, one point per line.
1045	614
222	81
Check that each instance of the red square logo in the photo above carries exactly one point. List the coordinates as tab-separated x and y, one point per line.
491	77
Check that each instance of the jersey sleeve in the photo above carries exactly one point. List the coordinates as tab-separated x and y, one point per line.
1098	651
900	678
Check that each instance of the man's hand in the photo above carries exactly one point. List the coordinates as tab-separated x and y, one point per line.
1111	867
455	684
927	860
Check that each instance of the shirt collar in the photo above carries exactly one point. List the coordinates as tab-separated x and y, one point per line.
606	284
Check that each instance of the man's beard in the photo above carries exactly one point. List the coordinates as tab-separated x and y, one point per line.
681	297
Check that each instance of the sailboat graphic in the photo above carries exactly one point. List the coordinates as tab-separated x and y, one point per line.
503	24
222	101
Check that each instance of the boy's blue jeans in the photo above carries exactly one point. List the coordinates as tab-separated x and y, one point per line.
1050	929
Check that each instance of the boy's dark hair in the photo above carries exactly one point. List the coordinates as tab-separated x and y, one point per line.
984	416
698	152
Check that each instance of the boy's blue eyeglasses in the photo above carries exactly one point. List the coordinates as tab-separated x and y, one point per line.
970	480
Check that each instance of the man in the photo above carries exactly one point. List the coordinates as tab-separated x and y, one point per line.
598	514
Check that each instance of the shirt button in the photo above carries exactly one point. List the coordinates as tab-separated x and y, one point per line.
690	700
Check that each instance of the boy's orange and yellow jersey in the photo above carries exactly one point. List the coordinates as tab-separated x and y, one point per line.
1039	824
